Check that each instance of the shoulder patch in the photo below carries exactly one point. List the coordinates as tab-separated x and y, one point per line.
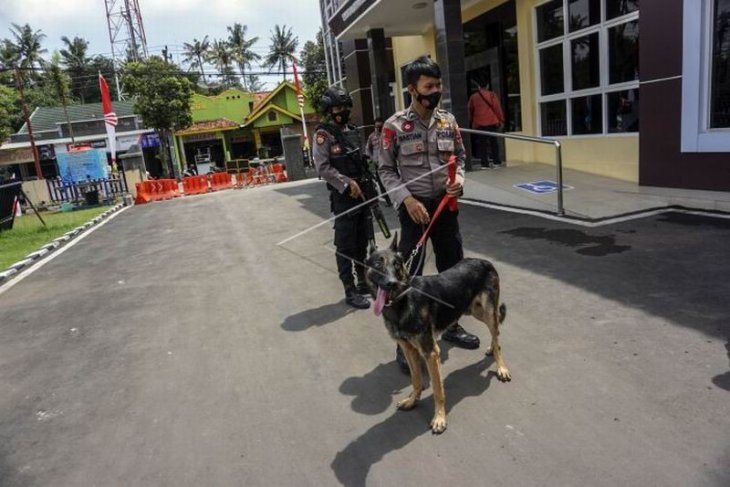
388	135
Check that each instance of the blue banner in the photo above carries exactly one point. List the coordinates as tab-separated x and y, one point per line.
74	167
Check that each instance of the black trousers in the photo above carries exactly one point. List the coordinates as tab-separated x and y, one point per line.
488	145
351	240
444	235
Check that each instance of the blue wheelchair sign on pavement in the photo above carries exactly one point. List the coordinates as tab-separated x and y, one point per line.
541	187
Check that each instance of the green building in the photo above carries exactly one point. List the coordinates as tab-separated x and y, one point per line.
241	125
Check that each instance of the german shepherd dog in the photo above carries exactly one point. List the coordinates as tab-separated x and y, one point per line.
416	311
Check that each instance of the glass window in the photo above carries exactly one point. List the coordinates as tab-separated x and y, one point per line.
551	69
623	52
512	69
553	118
616	8
720	88
585	62
272	116
623	111
587	115
549	20
583	13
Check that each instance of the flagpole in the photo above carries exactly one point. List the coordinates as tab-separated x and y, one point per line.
110	119
300	101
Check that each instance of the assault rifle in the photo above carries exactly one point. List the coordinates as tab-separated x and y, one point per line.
367	184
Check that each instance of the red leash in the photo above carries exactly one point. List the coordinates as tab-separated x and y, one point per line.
449	200
446	200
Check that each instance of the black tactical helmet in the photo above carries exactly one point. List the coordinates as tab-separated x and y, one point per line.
334	97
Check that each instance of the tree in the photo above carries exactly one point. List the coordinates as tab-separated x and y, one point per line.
78	66
161	96
105	66
313	65
9	57
196	53
253	83
283	46
28	45
58	81
221	56
8	100
243	54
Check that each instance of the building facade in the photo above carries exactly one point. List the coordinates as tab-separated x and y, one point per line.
238	124
574	70
52	136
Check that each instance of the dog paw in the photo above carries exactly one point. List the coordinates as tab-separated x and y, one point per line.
503	374
438	424
489	352
407	404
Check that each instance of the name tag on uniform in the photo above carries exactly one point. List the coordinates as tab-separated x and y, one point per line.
412	148
445	145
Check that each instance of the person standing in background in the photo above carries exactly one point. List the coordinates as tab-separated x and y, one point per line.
485	113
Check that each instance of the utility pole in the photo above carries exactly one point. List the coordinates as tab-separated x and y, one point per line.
36	159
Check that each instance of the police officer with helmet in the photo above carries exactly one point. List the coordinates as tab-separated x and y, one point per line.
338	157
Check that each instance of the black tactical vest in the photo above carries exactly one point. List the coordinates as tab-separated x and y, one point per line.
348	159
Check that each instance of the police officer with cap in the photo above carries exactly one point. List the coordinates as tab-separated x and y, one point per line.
415	146
338	158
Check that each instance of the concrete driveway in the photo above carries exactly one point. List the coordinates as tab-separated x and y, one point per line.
178	345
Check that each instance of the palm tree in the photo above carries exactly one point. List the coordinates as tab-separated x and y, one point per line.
242	49
59	83
196	53
28	45
77	64
283	46
221	55
253	83
9	55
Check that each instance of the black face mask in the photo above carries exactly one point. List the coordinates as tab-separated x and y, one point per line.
341	118
432	99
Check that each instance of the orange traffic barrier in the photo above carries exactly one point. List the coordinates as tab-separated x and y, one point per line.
143	195
279	173
169	188
220	180
195	185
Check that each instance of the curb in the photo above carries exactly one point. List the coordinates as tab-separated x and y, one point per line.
30	259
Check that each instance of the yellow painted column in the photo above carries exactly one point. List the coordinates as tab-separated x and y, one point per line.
257	138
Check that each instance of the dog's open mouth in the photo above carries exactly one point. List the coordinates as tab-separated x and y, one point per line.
382	299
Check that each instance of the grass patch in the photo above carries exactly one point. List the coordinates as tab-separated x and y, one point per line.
29	234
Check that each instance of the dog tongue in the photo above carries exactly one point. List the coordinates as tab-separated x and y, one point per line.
379	302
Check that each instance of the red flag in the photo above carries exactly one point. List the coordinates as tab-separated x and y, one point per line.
110	120
106	102
300	100
297	85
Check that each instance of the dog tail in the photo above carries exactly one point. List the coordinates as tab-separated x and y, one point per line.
502	312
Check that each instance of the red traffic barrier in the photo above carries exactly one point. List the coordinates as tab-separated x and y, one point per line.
220	180
195	185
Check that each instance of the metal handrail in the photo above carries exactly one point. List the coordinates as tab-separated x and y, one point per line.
538	140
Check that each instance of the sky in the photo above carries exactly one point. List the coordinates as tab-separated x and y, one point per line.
166	22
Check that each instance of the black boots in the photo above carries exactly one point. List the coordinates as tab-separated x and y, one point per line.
354	299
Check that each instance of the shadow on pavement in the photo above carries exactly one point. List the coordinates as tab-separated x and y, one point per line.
373	392
320	316
352	464
723	380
